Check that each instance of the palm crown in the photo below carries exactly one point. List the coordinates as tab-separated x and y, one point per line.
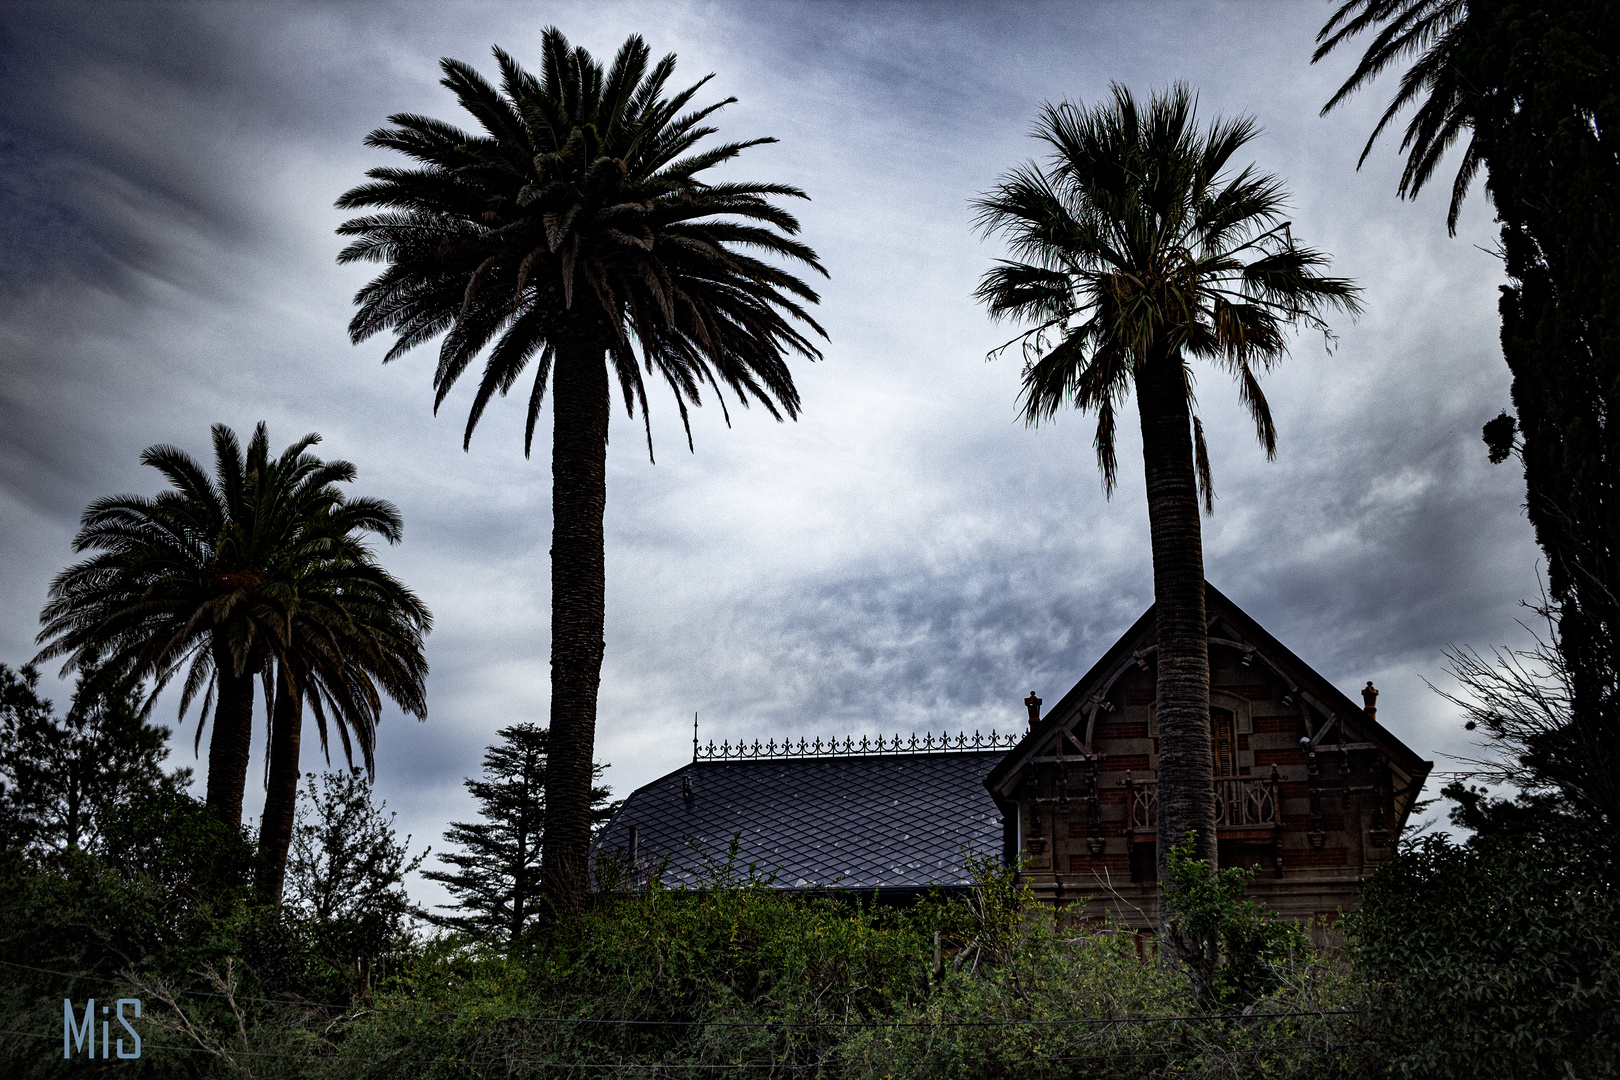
352	636
1138	247
192	567
579	213
220	576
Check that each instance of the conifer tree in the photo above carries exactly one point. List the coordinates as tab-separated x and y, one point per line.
1532	86
496	879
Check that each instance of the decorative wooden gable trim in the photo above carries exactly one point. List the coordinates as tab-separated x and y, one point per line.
1305	778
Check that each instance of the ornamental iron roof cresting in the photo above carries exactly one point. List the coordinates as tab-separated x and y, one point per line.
868	746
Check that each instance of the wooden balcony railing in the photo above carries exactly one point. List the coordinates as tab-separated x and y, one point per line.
1241	802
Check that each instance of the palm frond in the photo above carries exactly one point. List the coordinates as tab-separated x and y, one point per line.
1436	32
1137	243
1206	482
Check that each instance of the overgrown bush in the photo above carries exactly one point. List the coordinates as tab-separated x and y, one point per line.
737	974
346	881
166	894
1493	959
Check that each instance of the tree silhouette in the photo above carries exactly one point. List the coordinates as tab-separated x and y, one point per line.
1141	252
62	776
346	874
496	878
577	232
197	580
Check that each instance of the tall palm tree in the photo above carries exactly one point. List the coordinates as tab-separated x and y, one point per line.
352	636
1139	252
198	581
576	232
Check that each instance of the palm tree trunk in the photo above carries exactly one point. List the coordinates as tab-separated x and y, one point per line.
281	788
579	403
1186	777
232	742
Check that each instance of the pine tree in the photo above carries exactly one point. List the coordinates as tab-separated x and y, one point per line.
496	879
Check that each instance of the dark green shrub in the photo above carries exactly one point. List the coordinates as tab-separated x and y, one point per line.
1493	959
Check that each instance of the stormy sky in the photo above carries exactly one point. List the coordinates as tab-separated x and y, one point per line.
908	556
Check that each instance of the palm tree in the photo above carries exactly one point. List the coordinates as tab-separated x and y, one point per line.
1141	252
576	232
199	580
351	629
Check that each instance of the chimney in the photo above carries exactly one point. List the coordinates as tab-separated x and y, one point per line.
1369	695
1033	704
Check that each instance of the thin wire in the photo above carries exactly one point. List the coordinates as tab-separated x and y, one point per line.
444	1061
750	1024
613	1065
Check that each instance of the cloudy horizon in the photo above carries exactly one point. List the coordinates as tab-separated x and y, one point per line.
907	556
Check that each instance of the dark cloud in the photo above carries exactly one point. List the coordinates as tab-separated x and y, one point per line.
905	557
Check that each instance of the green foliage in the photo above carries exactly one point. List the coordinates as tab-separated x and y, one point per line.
345	876
165	895
60	777
496	880
739	975
172	843
115	863
1235	950
164	912
1493	959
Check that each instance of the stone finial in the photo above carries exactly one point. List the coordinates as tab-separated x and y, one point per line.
1033	704
1369	696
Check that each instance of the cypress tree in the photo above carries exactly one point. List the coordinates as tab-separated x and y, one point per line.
1535	84
1547	133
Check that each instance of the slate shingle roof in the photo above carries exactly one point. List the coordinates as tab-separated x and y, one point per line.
890	822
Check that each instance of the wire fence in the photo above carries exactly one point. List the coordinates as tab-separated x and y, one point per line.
439	1014
1098	1046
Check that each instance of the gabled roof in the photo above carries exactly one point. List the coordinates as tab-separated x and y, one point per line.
1323	697
892	823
